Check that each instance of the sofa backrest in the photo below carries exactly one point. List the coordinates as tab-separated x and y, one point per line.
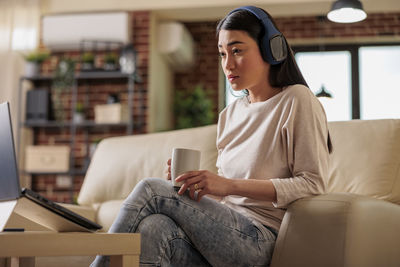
120	162
366	158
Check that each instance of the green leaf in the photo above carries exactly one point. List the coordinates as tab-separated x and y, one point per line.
193	108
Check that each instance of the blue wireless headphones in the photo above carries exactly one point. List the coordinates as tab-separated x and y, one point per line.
273	43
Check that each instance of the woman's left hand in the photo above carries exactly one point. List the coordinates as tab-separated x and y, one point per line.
203	182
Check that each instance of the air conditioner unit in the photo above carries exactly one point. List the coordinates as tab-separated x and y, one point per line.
65	32
176	43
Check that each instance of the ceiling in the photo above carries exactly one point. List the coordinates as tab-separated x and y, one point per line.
201	10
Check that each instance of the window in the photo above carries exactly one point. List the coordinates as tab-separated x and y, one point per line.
331	70
373	89
379	82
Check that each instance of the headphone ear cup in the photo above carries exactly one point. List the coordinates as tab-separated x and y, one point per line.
278	47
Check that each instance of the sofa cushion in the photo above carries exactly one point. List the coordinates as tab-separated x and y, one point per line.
120	162
366	158
107	212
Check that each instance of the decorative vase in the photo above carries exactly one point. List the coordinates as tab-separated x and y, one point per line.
87	66
78	117
127	60
32	69
110	66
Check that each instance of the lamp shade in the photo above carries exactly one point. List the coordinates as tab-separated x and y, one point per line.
323	93
347	11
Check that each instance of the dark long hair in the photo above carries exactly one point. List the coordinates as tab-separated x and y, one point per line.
283	74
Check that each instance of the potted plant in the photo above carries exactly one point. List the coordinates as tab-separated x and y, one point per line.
193	108
110	61
87	61
33	61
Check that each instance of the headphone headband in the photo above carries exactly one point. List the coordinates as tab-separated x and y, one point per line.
273	43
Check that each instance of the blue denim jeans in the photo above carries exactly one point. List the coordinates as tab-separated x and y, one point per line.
178	231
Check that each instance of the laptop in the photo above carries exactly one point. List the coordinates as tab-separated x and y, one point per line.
31	204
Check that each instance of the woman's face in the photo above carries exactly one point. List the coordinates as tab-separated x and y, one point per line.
241	61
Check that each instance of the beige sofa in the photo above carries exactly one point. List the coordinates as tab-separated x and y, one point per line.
357	223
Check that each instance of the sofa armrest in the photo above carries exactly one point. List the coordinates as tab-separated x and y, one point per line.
339	230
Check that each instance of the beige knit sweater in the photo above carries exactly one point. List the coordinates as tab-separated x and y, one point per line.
283	139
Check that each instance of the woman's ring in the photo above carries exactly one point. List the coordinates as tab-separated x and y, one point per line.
196	187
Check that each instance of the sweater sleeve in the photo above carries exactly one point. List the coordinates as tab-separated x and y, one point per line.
305	135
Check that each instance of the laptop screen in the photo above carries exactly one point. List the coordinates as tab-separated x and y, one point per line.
9	179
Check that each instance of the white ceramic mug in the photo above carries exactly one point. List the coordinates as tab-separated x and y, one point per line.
183	160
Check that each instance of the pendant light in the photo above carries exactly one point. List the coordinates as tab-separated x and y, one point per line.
323	93
347	11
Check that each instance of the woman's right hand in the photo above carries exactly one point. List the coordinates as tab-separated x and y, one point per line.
168	171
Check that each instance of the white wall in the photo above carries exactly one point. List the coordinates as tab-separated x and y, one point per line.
160	95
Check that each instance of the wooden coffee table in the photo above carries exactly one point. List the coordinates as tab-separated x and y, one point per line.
124	249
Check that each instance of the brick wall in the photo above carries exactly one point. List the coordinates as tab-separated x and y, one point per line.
375	25
98	92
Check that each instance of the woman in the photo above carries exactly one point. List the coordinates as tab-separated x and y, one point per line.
272	149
